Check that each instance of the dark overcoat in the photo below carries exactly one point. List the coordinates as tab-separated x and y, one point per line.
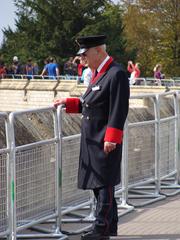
104	109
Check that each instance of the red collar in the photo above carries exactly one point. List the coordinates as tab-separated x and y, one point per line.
103	70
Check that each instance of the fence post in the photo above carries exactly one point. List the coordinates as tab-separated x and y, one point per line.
157	144
124	165
12	175
59	162
177	137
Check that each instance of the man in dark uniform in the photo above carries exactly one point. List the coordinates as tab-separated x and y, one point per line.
104	108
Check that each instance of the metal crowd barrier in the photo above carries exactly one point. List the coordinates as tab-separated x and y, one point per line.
5	213
156	82
121	190
70	163
140	81
153	149
177	81
168	142
46	77
143	81
73	199
35	174
159	82
43	172
142	156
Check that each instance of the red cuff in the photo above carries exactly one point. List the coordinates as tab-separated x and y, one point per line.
113	135
72	105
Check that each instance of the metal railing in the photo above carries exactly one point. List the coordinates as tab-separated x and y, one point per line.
35	175
142	156
143	81
5	190
153	149
39	177
73	199
36	77
139	81
168	142
157	82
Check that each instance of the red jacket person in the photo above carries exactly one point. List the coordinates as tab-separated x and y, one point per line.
104	108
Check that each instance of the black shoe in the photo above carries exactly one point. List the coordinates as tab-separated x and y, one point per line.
113	234
94	236
113	229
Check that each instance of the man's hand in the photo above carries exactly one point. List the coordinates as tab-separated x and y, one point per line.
109	146
60	101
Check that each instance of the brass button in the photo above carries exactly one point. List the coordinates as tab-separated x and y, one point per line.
82	116
88	118
87	105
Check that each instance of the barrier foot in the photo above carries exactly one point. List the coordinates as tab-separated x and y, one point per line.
78	217
124	208
166	184
174	189
43	236
147	197
40	232
79	231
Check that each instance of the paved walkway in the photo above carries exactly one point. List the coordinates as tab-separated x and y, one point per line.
160	220
157	221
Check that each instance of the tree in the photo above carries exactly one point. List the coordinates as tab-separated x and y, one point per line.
153	28
110	23
47	27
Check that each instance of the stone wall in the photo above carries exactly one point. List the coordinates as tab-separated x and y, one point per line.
20	94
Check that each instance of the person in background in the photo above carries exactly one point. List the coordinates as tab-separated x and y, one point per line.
16	67
157	74
86	74
29	69
51	69
3	70
81	66
44	72
70	67
104	108
135	73
36	69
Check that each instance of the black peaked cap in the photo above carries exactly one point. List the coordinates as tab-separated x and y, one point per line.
87	42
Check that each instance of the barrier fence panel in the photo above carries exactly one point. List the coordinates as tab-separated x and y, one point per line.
70	163
140	82
142	151
73	199
35	171
159	82
39	166
167	82
153	82
177	81
44	77
178	135
5	216
168	139
121	190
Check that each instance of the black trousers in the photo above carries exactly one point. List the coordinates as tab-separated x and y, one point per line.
106	211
